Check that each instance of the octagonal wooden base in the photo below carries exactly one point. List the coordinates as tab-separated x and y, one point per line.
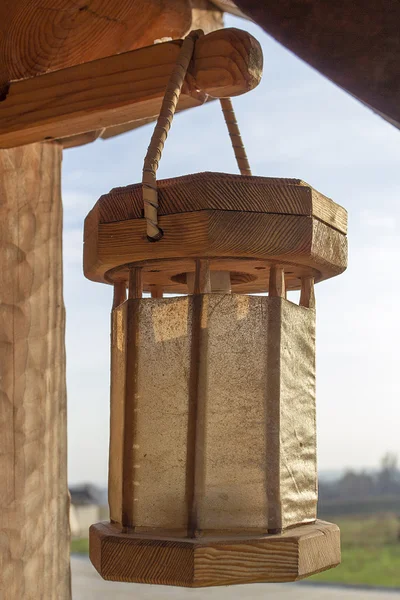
208	561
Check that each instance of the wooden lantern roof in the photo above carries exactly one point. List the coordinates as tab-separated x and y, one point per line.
262	220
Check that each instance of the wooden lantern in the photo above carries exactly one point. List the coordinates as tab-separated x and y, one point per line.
212	455
212	472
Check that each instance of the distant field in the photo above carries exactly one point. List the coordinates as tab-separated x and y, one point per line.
370	551
80	546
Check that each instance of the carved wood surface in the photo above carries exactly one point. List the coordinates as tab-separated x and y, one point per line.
34	507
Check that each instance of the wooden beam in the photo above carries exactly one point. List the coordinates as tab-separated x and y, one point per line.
34	506
126	87
355	44
230	7
111	132
38	36
81	139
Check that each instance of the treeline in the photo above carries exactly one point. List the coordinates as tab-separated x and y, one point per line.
362	485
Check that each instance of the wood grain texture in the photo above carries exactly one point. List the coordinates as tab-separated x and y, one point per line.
34	507
215	215
126	87
224	191
213	233
205	16
277	282
307	296
135	284
212	561
38	36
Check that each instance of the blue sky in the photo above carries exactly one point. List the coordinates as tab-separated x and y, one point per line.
295	124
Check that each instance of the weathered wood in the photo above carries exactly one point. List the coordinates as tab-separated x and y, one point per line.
119	293
356	44
205	16
224	191
212	561
277	282
202	281
34	507
297	240
221	282
157	292
37	36
135	287
247	275
217	281
219	216
307	296
126	87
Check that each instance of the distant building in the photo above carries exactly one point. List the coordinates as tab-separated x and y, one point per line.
88	505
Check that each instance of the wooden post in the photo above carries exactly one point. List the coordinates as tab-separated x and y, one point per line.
34	506
277	282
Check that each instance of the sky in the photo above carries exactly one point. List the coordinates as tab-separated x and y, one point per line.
295	124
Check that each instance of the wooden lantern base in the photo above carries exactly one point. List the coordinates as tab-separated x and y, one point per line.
208	561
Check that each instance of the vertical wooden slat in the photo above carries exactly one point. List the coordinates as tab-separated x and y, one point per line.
221	282
130	401
195	458
202	279
34	507
135	289
157	292
119	293
307	296
277	282
117	410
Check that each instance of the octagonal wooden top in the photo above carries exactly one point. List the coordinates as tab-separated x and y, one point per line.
244	224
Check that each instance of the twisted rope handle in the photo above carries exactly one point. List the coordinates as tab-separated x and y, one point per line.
163	125
160	133
236	138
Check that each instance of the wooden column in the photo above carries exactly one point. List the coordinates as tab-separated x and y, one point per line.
34	507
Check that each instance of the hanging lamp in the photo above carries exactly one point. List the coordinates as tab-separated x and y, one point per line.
212	468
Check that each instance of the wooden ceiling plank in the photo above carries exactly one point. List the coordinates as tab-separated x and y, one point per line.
355	44
126	87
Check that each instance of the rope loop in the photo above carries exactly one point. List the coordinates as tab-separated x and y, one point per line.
163	125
